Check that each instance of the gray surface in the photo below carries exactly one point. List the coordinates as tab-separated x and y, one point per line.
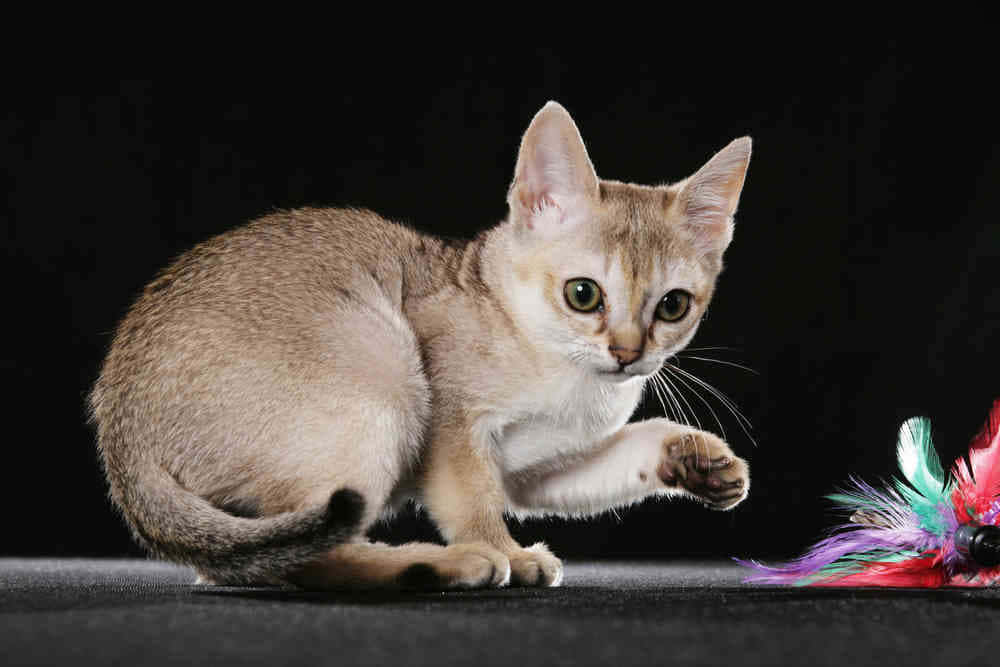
140	612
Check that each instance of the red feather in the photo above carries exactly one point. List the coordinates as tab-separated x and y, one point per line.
979	484
920	572
985	577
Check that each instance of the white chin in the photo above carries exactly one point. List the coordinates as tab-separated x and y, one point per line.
618	376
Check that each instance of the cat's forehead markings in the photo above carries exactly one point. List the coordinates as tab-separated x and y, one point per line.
635	225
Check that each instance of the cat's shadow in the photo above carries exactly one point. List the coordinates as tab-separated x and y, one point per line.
376	598
596	597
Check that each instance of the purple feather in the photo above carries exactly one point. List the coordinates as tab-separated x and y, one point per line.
890	530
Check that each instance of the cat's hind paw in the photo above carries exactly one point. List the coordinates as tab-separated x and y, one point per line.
704	466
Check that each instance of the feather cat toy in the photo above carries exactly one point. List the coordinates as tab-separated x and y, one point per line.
931	532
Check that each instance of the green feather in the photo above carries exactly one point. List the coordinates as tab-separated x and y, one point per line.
922	469
917	458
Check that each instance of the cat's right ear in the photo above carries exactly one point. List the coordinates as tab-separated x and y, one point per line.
709	198
554	178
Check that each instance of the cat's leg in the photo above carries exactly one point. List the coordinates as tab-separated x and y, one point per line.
645	458
422	566
463	494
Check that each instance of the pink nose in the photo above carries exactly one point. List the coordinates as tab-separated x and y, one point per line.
624	355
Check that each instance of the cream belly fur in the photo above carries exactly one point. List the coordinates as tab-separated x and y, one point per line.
282	386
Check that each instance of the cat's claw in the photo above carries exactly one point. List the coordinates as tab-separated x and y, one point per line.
705	467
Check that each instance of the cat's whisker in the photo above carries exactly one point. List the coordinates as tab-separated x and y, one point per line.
677	392
655	387
719	361
723	398
660	390
711	348
741	419
659	397
678	410
745	424
700	398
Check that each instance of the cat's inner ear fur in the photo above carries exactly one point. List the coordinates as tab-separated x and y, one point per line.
554	176
708	199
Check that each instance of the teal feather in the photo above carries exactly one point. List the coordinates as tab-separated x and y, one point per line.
921	466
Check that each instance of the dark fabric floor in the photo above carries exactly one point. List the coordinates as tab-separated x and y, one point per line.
147	613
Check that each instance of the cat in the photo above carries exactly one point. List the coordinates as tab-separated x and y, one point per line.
282	386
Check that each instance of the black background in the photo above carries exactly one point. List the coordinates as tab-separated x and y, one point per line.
861	284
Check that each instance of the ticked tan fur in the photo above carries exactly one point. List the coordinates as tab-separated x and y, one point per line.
325	349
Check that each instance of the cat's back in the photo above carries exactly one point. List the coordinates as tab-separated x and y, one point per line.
285	255
272	271
274	297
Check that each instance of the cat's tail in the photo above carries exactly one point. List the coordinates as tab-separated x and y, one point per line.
181	526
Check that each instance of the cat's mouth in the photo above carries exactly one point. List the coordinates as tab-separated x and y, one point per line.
621	375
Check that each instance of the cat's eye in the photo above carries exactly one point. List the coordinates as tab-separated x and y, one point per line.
674	305
583	294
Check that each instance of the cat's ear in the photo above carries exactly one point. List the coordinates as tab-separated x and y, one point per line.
708	199
554	176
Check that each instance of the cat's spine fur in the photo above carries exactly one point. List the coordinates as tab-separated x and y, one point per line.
178	525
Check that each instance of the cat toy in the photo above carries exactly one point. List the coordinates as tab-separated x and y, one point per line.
927	532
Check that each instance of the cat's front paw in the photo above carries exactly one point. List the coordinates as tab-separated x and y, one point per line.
535	566
705	467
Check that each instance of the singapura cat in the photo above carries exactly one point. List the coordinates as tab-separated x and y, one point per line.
282	386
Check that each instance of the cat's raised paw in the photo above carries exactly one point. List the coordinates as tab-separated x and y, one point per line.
535	566
705	467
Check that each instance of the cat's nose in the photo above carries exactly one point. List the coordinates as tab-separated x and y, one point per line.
624	355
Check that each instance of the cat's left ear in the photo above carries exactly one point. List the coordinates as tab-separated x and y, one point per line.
554	179
708	200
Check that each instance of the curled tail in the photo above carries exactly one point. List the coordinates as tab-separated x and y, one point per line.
181	526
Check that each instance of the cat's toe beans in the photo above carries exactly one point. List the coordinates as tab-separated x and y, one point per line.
671	472
720	463
728	487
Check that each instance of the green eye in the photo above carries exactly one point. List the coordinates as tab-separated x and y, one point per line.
583	294
674	305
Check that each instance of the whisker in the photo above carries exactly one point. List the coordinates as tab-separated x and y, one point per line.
700	398
661	390
656	392
720	361
677	410
723	398
741	419
694	414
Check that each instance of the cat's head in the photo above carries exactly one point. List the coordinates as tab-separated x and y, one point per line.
614	277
